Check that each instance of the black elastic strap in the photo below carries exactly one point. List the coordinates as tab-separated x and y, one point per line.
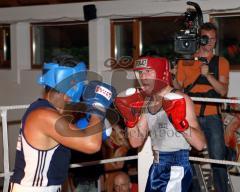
213	68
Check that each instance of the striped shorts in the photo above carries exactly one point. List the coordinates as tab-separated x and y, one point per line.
170	172
15	187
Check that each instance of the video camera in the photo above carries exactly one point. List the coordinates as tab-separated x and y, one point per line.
187	41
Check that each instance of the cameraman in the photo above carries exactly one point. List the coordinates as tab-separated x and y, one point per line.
208	79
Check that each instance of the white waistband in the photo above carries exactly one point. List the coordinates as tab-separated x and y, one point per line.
15	187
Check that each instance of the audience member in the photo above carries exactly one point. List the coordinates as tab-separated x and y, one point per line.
116	146
208	77
87	182
122	183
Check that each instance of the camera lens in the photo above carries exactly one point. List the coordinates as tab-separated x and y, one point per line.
186	44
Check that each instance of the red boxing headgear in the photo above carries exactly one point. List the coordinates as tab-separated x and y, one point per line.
160	65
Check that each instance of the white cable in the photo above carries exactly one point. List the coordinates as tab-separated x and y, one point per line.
69	19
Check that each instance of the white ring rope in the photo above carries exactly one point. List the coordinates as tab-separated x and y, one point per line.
214	161
216	100
4	109
128	158
104	161
134	157
205	99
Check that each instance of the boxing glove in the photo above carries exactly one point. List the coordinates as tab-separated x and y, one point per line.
83	122
98	96
129	103
175	107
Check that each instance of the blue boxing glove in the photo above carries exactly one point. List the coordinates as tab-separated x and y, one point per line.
107	130
83	122
98	96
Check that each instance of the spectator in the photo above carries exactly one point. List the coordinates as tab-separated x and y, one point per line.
116	146
122	183
232	130
87	182
208	79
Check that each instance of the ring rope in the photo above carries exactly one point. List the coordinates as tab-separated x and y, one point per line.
134	157
112	160
104	161
2	108
216	100
206	99
214	161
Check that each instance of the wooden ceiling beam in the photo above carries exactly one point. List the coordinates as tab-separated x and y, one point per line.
8	3
14	3
30	2
53	1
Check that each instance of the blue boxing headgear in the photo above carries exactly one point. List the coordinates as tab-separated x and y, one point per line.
67	80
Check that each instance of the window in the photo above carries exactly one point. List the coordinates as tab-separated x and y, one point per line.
5	51
125	43
131	38
51	39
158	35
229	39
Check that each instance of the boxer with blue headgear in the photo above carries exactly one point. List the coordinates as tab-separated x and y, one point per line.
67	80
47	134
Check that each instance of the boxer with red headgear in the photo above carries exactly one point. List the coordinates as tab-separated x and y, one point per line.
161	67
168	116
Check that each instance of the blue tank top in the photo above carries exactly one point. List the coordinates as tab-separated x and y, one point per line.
39	168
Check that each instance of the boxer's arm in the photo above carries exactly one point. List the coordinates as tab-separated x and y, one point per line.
51	128
194	135
98	97
138	134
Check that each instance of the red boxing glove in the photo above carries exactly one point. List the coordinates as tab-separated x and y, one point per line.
175	107
129	103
